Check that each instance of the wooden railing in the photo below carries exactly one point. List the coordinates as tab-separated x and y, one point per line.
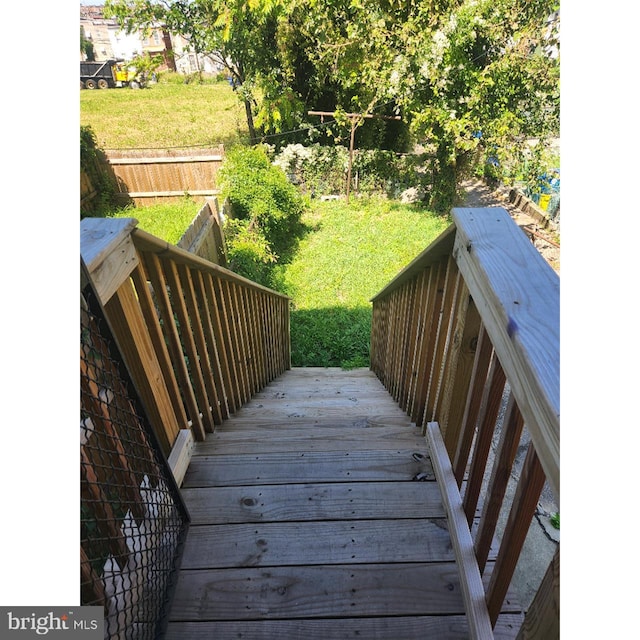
199	340
467	333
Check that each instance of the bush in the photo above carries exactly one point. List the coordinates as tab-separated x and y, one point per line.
266	212
93	163
248	252
322	170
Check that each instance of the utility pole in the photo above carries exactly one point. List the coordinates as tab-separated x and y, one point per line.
355	119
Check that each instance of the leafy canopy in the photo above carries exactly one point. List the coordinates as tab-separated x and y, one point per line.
470	77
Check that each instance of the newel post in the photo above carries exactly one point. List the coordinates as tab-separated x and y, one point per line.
107	249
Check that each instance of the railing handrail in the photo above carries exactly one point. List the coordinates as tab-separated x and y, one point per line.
466	339
518	297
199	339
148	242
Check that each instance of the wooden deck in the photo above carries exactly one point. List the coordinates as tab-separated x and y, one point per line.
315	514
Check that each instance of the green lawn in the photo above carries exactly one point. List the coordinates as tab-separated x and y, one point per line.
166	221
350	253
164	115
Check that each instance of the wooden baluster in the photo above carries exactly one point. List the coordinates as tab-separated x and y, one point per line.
525	501
188	342
111	448
437	278
218	374
410	347
500	473
391	337
225	338
125	315
408	336
256	319
451	285
140	279
379	352
459	380
542	619
204	362
158	280
265	331
247	332
207	346
91	586
274	339
489	413
475	395
455	327
239	351
94	499
286	332
421	306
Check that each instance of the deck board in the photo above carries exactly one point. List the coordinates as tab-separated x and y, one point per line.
321	501
308	522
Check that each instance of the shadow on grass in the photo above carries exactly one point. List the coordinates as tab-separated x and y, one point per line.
331	337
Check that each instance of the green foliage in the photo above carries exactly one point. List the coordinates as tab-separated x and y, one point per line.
145	65
248	252
555	520
86	46
331	337
322	170
238	35
93	163
468	77
266	212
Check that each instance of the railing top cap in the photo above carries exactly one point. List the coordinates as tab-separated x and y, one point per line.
518	296
98	237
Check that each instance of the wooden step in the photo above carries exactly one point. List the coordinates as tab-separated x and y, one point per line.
315	514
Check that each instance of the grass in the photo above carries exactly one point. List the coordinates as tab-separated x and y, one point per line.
164	115
351	252
167	221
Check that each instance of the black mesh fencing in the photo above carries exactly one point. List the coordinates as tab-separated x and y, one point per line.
133	521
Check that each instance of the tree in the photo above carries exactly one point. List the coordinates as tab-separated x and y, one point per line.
239	35
485	78
470	75
86	46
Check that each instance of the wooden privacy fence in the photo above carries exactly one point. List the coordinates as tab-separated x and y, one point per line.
205	237
150	176
199	340
467	332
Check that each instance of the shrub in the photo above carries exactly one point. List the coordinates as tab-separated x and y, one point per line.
322	170
93	163
267	204
248	252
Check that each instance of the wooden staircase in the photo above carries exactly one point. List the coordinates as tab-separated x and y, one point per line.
316	514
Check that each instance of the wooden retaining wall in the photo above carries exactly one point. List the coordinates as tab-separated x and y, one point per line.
205	237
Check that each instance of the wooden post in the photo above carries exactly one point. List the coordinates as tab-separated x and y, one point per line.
356	120
110	256
542	620
353	135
